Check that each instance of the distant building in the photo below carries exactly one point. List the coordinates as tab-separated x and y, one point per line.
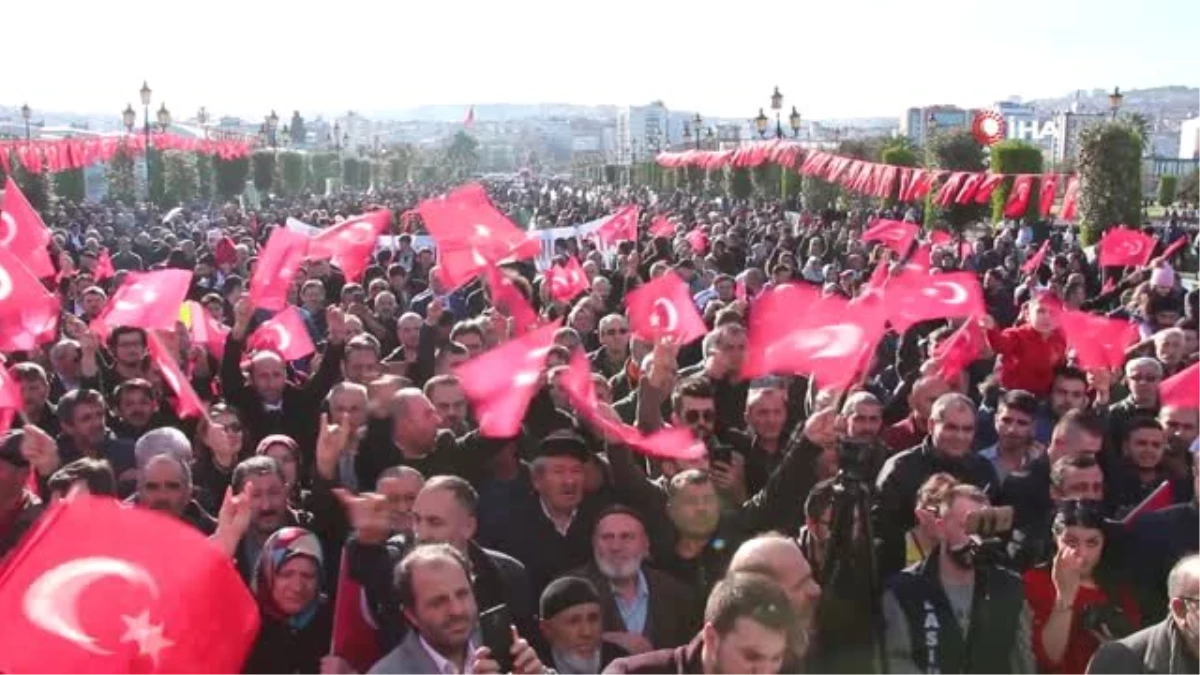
641	130
1189	139
1067	127
916	123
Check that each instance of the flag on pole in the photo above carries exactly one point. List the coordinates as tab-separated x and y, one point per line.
470	119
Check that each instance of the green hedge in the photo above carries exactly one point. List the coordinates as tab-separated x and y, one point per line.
1015	156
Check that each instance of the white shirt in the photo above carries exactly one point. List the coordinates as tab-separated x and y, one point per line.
565	528
444	666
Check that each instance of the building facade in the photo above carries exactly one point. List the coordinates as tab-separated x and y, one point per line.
919	123
1068	126
641	131
1189	139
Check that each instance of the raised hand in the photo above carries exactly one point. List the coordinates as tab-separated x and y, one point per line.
233	519
332	440
40	450
368	515
335	318
242	312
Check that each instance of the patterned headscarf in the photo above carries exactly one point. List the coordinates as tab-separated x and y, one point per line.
285	544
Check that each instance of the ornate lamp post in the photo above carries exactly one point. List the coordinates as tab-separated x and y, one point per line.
26	113
697	121
794	121
777	105
128	117
164	118
145	96
272	123
760	123
1114	101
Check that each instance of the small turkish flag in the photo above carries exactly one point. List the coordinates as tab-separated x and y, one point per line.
511	302
96	587
1070	202
187	403
10	391
912	298
922	183
940	237
966	191
1162	497
104	267
621	226
1109	285
698	241
355	633
1125	247
949	190
1046	195
501	381
897	235
567	281
23	233
147	300
793	329
1181	389
960	350
1035	261
1175	247
663	307
276	267
203	329
1018	199
987	186
285	334
28	313
471	234
1098	341
661	227
349	244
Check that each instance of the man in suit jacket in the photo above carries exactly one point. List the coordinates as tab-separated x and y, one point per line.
433	584
1166	647
643	609
268	403
571	625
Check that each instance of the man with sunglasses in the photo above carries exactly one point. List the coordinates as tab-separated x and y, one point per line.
610	359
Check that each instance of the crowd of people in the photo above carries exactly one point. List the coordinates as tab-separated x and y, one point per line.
1021	514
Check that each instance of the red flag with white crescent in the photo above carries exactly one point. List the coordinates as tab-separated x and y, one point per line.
285	334
187	403
663	307
1125	247
23	233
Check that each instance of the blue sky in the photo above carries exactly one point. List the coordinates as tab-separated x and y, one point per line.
830	58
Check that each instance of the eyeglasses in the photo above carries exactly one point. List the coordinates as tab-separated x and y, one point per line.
693	416
616	331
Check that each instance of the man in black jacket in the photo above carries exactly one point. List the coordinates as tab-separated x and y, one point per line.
948	449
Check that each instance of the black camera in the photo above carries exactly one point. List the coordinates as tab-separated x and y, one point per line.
1105	618
852	458
718	451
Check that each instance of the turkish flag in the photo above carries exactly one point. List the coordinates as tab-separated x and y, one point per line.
906	176
276	267
28	313
511	302
668	443
1181	389
940	237
949	190
912	298
203	329
1125	247
355	633
1109	285
897	235
567	281
147	300
1035	261
471	234
104	267
1175	247
1098	341
793	329
1049	188
23	233
1070	202
922	184
661	227
698	241
285	333
966	191
349	244
1018	198
501	381
621	226
663	307
960	350
10	391
97	587
921	261
1162	497
187	403
987	186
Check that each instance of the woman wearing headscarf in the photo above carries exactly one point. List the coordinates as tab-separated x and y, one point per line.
297	621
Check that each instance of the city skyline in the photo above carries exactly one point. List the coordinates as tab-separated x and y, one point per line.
246	59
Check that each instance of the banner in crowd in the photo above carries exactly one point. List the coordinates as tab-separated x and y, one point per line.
907	184
64	154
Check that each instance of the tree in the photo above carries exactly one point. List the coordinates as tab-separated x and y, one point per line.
695	178
351	168
738	182
292	173
296	129
819	194
956	151
122	184
204	177
1167	186
264	170
231	176
1013	157
322	166
70	185
766	179
1110	173
158	182
400	163
1189	189
899	152
180	178
462	155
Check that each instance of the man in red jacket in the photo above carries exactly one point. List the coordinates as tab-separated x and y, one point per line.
1029	352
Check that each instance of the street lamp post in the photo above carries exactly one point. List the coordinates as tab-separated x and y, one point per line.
794	121
145	95
687	133
1114	101
164	118
697	121
202	119
777	105
760	123
128	117
272	123
26	113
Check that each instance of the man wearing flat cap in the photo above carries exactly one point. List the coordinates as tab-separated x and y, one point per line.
571	624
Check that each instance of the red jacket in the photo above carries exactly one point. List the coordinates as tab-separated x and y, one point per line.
1028	358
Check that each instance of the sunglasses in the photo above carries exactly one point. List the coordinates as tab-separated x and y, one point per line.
693	416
